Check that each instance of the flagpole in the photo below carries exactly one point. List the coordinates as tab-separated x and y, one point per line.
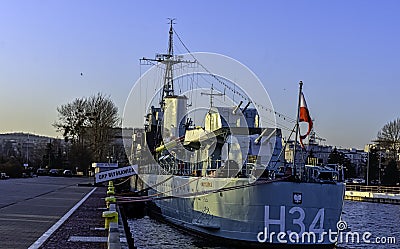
297	131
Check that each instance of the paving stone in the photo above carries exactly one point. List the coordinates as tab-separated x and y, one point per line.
82	223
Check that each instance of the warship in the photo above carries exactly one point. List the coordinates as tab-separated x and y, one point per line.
228	178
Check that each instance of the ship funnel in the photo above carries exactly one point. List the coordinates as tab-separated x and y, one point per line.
237	107
174	116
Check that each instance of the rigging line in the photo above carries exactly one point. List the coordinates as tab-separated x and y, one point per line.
195	98
284	148
211	84
216	88
191	88
160	81
145	97
206	69
265	119
205	80
177	48
140	86
224	84
234	86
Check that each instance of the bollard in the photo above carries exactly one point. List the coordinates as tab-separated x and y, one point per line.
110	199
110	184
110	191
110	216
111	188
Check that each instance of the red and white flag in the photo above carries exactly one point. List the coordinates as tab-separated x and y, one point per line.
304	117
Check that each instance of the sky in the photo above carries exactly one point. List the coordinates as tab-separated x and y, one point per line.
346	53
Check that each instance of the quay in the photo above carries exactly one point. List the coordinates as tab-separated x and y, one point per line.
380	194
57	212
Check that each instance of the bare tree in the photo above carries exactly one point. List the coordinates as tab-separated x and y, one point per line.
88	124
103	116
72	119
389	137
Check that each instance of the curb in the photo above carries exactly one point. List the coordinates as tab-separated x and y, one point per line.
39	242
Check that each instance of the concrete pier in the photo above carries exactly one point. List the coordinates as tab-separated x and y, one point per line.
30	206
378	194
52	212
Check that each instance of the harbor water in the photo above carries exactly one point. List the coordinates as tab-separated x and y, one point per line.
380	220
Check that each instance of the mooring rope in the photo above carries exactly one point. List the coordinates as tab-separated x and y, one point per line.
118	184
158	197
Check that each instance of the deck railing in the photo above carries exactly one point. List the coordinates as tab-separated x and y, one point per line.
373	189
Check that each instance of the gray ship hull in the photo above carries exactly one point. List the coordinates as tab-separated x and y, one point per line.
265	213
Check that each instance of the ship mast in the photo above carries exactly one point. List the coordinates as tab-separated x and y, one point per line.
168	89
169	60
297	131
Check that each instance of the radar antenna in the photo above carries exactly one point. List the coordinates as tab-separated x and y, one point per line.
212	94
